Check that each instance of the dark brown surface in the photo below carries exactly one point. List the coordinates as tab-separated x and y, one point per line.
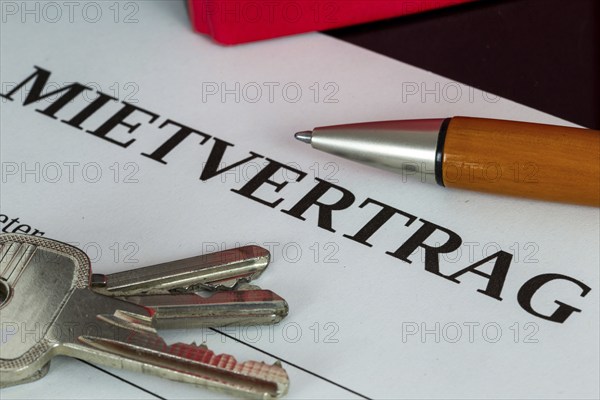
542	53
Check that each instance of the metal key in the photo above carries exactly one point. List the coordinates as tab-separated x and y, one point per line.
166	289
221	270
47	308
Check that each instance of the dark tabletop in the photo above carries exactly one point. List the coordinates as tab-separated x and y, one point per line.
541	53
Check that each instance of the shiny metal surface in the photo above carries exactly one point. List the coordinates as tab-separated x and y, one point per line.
47	308
232	307
168	289
406	147
220	270
39	276
304	136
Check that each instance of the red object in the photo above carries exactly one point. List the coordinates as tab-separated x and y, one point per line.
240	21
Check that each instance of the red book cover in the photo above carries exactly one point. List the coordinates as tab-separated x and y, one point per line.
240	21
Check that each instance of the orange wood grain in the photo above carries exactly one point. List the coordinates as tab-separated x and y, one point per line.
523	159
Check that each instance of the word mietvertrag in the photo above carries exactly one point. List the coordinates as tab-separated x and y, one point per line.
313	198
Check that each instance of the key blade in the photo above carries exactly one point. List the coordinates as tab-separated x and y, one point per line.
220	270
194	364
238	307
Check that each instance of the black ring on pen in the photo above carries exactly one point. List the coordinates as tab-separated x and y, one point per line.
439	152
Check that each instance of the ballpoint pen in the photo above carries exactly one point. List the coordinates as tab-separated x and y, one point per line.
546	162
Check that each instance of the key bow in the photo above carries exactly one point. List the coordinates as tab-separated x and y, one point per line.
126	308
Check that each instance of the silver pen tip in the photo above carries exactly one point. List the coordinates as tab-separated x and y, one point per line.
304	136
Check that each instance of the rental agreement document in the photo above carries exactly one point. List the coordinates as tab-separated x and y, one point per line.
140	142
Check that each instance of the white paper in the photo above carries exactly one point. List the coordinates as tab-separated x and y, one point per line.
354	310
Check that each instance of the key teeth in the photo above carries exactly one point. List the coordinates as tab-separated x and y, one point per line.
201	365
273	376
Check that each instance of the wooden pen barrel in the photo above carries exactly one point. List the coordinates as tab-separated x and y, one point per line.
522	159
